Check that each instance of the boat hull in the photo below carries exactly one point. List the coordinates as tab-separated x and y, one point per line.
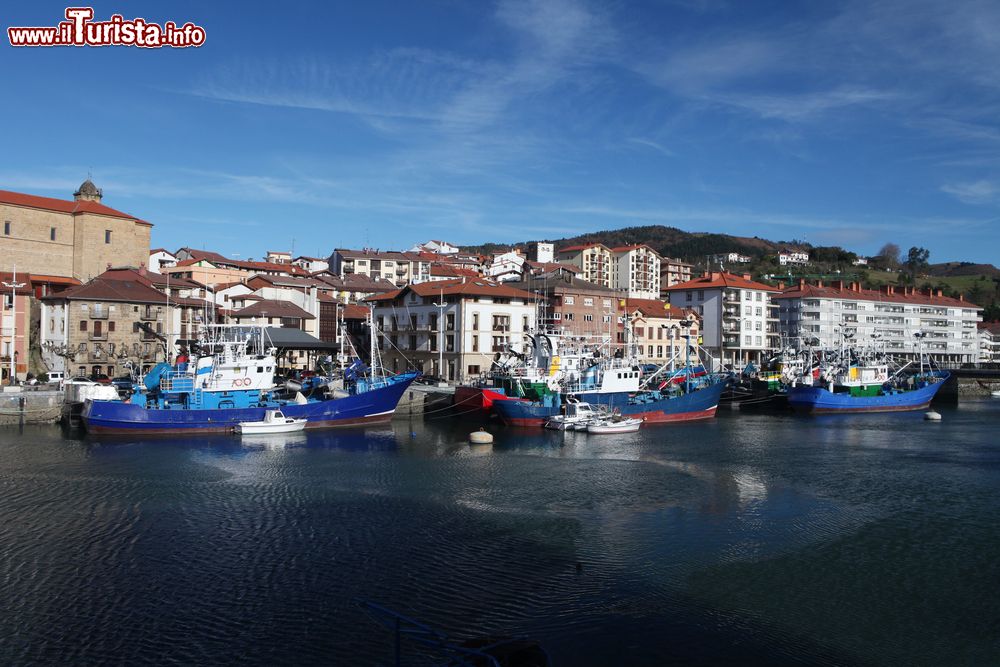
115	417
818	400
470	399
697	405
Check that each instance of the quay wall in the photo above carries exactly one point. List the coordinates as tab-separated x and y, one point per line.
29	406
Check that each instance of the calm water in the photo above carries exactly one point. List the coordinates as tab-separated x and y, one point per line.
833	540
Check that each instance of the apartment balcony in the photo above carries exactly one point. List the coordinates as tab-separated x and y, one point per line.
103	335
97	356
731	313
730	297
149	314
98	313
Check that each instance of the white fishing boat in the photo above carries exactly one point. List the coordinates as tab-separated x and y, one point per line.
614	425
578	415
995	394
274	422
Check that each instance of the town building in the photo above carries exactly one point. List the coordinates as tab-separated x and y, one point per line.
451	329
594	260
793	258
660	330
75	239
843	313
15	325
400	268
98	326
739	323
311	264
860	261
673	272
278	257
435	247
542	252
636	271
572	306
160	257
737	258
352	287
989	342
506	266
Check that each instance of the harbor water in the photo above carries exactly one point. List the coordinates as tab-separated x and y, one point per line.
847	539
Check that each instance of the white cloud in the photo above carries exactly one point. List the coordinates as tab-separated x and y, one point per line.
977	192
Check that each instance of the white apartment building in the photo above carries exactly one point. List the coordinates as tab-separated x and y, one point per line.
506	266
451	329
739	323
737	258
889	316
311	264
989	342
636	271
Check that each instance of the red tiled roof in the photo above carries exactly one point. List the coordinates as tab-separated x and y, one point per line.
109	289
54	280
63	205
721	280
911	295
273	308
23	278
439	269
353	311
634	246
992	327
656	308
478	287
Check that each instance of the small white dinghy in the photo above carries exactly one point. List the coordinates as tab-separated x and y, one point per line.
995	394
614	425
274	421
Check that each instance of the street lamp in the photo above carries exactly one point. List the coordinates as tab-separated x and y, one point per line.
14	286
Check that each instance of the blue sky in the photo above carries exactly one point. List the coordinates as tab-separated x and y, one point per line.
386	123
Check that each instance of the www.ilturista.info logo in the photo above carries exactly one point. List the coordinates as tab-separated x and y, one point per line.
80	30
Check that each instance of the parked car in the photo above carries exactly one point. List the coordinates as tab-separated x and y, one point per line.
100	378
429	380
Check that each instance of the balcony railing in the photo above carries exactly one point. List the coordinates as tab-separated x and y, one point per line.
149	314
98	313
94	335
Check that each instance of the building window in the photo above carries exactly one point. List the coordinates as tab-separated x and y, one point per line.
107	236
473	370
83	325
687	296
6	228
111	325
52	233
475	344
570	300
475	321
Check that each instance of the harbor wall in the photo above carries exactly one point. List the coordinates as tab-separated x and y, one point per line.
24	405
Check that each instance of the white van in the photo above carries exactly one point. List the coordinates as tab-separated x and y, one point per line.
56	377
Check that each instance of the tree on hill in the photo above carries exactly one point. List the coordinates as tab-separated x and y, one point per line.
888	257
916	262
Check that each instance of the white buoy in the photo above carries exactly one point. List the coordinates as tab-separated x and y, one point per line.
481	437
932	416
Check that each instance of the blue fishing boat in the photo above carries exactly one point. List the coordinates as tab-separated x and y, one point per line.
231	380
914	394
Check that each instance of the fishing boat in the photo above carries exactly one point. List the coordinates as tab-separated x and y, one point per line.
274	422
614	425
230	380
616	382
861	381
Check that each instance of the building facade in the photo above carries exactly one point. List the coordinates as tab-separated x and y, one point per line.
989	342
594	260
76	239
572	306
636	271
451	329
739	322
840	312
399	268
660	330
673	272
